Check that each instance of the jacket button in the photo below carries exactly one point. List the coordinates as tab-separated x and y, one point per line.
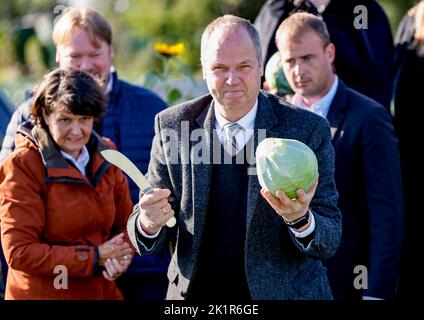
183	294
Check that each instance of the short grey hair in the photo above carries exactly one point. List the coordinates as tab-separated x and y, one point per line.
230	23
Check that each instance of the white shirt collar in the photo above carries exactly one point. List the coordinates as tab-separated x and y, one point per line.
81	161
109	85
247	122
322	106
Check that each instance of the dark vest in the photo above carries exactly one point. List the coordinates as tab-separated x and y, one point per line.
220	273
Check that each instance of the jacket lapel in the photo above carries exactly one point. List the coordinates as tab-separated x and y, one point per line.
337	113
202	172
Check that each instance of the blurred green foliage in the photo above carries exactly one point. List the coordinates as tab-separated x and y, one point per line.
396	9
137	24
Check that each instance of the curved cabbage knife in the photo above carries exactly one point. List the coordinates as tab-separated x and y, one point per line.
122	162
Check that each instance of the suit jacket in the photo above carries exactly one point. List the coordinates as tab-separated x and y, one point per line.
277	265
369	182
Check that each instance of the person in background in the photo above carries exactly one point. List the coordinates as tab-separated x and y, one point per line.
235	241
367	167
63	209
83	40
5	114
408	114
6	110
359	29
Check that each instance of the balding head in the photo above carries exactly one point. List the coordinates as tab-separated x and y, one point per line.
228	24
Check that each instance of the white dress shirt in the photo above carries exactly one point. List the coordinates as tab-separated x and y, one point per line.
81	161
247	123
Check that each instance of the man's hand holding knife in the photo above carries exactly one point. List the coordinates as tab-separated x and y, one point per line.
155	210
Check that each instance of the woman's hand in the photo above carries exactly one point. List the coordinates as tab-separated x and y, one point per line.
114	248
115	268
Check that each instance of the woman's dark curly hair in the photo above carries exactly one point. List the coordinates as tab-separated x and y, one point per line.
75	89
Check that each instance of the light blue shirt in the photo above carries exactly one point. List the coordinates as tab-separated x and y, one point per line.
322	106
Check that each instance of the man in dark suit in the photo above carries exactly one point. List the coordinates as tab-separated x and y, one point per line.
367	162
363	39
233	243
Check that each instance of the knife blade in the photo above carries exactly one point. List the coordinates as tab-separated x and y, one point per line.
126	165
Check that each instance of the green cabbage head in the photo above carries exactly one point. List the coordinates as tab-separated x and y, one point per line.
287	165
274	76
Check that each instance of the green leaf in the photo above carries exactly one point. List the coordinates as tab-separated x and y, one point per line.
173	96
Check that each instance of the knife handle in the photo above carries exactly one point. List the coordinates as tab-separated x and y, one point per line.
171	222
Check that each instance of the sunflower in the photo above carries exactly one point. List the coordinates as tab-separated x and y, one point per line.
169	50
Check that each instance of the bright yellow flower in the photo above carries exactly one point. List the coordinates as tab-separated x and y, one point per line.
169	49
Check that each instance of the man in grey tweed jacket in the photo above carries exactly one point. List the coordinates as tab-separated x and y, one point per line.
234	241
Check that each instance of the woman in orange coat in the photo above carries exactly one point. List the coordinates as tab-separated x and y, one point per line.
63	209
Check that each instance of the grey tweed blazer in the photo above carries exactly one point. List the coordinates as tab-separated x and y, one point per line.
277	265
